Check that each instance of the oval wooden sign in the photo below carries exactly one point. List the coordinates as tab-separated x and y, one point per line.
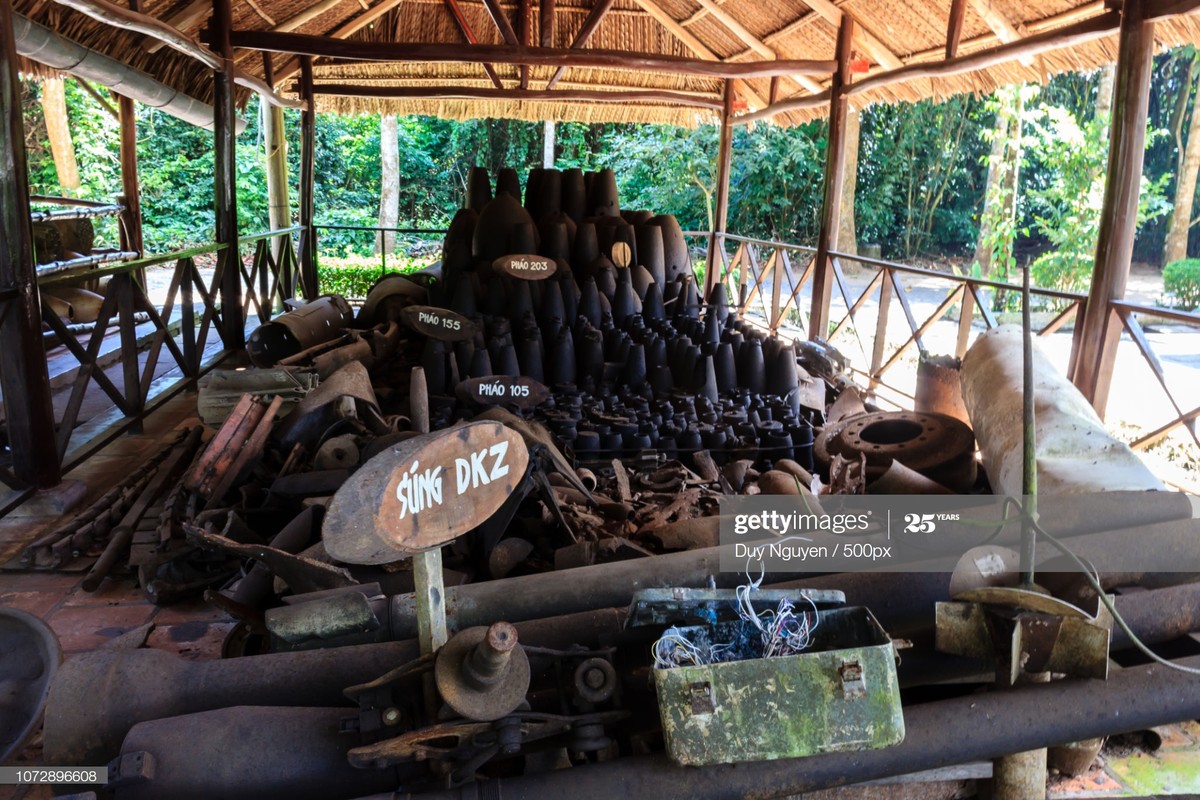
621	254
424	492
526	267
438	323
502	390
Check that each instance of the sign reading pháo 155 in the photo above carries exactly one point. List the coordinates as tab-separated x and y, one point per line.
424	492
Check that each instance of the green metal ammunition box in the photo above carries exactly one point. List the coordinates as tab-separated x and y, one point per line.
839	694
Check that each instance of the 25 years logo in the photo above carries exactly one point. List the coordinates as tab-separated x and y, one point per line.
919	523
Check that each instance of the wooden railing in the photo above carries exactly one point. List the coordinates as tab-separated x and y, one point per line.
182	324
770	284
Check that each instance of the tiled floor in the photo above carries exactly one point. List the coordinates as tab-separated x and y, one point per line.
83	621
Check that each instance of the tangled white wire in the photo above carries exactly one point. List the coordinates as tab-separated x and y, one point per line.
783	632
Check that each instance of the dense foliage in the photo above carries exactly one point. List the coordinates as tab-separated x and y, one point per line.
1181	283
920	184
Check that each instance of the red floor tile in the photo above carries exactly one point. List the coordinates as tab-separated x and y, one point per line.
58	582
191	611
87	627
37	603
113	591
198	641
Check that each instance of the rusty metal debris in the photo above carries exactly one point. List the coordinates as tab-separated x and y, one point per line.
556	408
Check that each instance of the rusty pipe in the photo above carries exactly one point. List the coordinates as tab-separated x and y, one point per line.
98	696
613	584
944	733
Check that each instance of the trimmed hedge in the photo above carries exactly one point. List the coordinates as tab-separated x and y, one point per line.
353	276
1181	280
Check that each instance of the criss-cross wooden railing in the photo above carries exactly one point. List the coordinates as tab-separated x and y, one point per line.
769	283
183	325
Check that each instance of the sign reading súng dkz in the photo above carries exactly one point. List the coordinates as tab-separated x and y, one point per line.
420	489
424	492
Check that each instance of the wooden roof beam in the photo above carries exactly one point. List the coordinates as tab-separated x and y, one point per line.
267	18
1001	25
343	31
958	11
189	16
509	35
875	48
546	22
752	41
785	106
692	43
1084	31
469	35
599	11
328	47
475	93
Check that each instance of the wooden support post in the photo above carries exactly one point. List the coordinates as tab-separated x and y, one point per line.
23	373
721	211
546	22
835	167
308	132
427	566
233	322
131	220
1101	326
279	206
958	11
525	27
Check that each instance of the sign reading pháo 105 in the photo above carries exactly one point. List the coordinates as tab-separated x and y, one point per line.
424	492
438	323
527	267
502	390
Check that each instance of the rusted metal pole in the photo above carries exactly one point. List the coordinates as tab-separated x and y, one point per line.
940	734
835	167
1028	442
84	726
1101	327
233	322
24	377
308	234
721	209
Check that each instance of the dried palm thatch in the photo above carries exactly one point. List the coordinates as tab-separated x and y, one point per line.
890	33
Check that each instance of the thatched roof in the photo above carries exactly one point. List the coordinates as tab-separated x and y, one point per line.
891	34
